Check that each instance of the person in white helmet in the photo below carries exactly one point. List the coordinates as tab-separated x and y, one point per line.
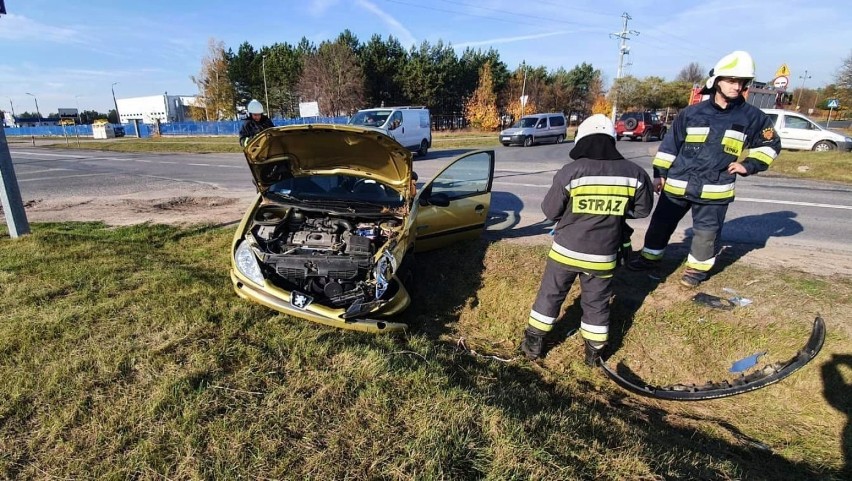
256	122
589	200
697	165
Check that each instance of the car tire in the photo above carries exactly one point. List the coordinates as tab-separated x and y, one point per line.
630	124
646	137
617	137
528	141
559	139
824	146
505	144
662	133
424	148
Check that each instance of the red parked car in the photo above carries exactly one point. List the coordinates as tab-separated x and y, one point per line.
640	125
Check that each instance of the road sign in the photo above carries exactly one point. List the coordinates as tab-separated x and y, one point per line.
833	104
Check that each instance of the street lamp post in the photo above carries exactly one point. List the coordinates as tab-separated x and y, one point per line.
117	117
38	112
802	89
265	91
13	109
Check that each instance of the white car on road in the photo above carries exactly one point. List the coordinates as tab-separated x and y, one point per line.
801	133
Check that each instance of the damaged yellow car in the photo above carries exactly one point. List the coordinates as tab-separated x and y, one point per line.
331	233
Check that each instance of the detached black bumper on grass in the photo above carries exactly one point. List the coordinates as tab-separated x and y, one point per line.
713	390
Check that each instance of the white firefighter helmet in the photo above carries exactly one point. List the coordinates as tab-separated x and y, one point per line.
255	107
738	64
596	124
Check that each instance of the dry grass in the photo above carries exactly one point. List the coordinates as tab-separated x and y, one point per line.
833	166
124	353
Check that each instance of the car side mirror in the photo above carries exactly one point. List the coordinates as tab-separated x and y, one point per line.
439	199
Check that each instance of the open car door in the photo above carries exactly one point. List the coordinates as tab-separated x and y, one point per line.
454	205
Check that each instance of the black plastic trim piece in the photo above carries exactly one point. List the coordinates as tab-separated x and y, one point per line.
714	390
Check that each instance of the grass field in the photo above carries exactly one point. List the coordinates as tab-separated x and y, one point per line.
125	354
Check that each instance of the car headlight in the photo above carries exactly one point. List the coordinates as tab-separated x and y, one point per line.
247	263
848	140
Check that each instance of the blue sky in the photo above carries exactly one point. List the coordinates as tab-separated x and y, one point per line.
69	53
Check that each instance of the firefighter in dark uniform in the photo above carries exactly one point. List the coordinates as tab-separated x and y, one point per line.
697	165
256	123
589	200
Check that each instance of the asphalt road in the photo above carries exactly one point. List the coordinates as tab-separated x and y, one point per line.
768	210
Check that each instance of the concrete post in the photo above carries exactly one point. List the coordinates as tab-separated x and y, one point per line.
13	207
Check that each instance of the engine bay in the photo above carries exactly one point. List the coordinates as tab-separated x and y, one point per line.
331	258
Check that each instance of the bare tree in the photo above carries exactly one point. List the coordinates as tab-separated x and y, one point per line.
692	73
332	77
844	74
217	92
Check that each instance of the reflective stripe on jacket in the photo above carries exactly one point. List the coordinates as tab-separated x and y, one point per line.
704	139
589	200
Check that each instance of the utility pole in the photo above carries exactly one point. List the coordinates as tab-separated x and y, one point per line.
524	89
38	112
265	91
802	89
117	117
623	50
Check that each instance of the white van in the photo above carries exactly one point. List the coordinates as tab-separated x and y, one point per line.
410	126
800	133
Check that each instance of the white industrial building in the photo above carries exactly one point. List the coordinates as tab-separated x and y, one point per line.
149	110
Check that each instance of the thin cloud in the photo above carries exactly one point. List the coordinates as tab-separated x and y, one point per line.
513	39
405	36
23	29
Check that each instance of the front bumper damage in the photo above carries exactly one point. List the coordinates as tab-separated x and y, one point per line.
714	390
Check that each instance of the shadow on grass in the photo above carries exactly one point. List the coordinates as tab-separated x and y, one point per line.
669	442
838	393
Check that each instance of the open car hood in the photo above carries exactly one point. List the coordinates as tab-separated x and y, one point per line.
283	152
771	374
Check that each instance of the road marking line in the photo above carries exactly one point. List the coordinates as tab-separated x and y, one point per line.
793	202
40	171
45	154
65	177
743	199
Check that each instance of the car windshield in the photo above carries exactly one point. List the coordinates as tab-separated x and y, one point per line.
525	123
373	118
339	188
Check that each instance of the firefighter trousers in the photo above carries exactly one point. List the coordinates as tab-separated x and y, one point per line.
595	293
707	221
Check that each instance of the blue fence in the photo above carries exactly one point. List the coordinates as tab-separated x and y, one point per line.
231	127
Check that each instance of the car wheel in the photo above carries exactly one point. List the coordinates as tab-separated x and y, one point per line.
646	137
528	141
424	148
617	137
559	139
662	133
824	146
630	124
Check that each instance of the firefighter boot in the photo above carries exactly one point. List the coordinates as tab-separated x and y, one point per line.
692	277
533	343
593	351
641	263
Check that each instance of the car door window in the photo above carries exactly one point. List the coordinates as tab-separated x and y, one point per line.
467	176
541	124
396	120
797	123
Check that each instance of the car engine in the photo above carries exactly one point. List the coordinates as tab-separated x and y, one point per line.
328	257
